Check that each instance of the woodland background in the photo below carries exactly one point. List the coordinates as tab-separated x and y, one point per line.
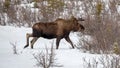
102	18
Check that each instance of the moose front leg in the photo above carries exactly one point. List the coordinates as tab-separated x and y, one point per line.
57	42
69	41
33	41
27	39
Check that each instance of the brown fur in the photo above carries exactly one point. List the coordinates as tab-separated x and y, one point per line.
59	29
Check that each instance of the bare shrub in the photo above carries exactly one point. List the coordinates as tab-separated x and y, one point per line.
102	25
46	59
105	61
14	48
89	63
110	61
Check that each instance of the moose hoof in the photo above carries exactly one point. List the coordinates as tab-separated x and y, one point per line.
25	46
31	47
57	48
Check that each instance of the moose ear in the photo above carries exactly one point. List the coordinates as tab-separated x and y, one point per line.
81	19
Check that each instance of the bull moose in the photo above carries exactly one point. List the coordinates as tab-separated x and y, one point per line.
58	29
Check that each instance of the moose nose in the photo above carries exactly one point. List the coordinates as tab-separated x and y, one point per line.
82	28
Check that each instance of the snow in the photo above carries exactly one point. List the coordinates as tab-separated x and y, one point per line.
67	57
28	5
118	9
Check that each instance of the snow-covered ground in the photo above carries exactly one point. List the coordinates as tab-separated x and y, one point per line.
67	57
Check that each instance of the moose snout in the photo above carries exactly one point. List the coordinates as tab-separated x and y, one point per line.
82	28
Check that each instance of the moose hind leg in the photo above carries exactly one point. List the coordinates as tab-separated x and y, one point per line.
33	41
68	40
27	39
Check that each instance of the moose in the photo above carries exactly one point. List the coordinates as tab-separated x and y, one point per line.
58	29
